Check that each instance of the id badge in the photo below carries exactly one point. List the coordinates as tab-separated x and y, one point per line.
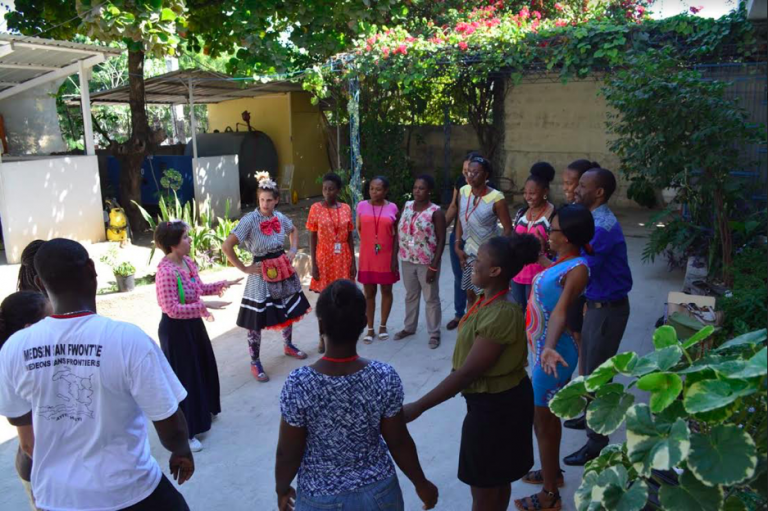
337	248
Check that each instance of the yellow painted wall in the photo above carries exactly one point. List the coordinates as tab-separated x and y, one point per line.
269	114
558	123
309	145
295	127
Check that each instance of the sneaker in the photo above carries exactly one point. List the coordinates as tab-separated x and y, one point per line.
258	372
195	445
292	351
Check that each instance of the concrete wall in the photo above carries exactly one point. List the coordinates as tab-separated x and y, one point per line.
50	198
558	123
428	146
217	178
310	158
31	121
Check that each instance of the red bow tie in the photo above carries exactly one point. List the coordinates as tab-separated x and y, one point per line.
270	226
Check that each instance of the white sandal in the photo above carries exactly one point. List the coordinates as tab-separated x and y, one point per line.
368	339
383	336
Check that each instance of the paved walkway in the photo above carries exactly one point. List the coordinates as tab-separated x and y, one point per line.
235	470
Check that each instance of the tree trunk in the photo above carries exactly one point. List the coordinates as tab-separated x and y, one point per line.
726	239
132	152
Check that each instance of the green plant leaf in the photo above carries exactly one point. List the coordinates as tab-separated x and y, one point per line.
600	376
755	337
610	490
691	495
613	454
625	362
660	360
167	15
606	413
707	395
725	455
756	366
570	401
610	388
664	337
654	446
699	336
583	496
664	389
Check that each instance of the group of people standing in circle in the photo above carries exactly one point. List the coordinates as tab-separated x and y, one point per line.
550	282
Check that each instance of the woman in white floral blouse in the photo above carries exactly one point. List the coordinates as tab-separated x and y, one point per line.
421	234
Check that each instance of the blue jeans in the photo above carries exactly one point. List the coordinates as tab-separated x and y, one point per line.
459	295
381	496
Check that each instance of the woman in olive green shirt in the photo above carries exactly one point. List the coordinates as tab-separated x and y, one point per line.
489	370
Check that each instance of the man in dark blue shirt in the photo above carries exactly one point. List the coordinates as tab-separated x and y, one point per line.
609	284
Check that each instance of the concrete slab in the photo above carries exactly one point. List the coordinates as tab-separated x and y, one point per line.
235	469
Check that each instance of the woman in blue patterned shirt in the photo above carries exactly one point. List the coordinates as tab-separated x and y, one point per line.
342	417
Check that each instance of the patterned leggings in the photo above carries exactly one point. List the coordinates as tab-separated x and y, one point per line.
254	341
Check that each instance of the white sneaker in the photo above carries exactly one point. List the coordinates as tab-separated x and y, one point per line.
195	445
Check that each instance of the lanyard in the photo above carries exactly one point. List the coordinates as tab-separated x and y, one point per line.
376	219
480	303
467	211
336	223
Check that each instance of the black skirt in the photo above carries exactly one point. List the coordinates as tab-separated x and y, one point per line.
188	349
497	437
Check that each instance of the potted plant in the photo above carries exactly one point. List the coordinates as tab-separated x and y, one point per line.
125	276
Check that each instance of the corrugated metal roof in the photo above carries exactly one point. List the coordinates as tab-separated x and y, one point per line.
23	59
209	87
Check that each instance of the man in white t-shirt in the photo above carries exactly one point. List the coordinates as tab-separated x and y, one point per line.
88	381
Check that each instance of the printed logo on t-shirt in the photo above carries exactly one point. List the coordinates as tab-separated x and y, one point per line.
73	393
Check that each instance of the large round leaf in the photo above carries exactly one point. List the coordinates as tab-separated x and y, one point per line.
606	413
600	376
613	454
660	360
583	496
691	495
664	337
707	395
756	366
664	389
652	445
625	362
725	455
611	492
570	401
755	337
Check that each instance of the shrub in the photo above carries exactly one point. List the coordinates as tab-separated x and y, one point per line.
705	421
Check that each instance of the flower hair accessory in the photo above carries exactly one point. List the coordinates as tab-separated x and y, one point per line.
265	181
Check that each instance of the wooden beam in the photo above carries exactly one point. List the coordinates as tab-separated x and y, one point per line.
85	103
53	75
29	67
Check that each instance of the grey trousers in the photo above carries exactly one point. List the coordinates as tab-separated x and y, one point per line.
415	281
600	339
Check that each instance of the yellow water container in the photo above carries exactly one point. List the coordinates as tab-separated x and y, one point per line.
117	225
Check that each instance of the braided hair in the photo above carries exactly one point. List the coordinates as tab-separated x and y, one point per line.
341	308
27	272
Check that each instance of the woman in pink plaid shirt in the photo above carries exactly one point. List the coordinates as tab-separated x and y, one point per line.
183	337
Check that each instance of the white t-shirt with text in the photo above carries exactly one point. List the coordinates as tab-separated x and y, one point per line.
88	381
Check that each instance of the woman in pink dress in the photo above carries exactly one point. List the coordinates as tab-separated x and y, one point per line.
377	226
534	219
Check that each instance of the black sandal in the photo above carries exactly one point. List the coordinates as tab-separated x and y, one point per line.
537	477
555	505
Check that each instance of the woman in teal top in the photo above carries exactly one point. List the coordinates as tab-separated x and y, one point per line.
489	370
554	291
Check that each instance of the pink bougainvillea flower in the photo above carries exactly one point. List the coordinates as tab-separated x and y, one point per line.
697	10
525	13
559	7
537	15
368	47
535	25
403	49
640	10
385	53
561	23
462	46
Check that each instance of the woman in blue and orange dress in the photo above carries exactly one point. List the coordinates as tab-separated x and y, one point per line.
553	292
331	245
